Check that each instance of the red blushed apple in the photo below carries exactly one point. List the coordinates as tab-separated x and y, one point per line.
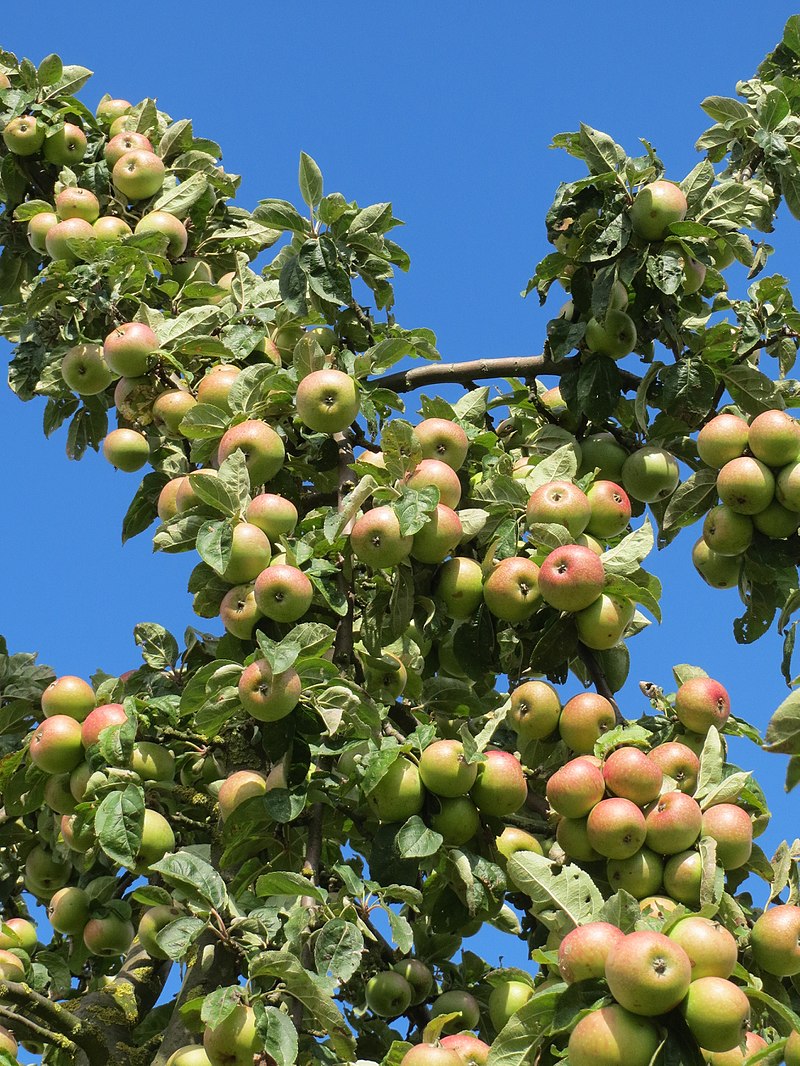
431	1055
38	228
616	828
612	1036
631	774
239	611
261	446
107	714
138	174
168	226
500	788
167	505
56	746
438	537
274	514
58	237
774	438
376	539
68	695
444	769
584	719
471	1050
110	228
535	710
442	439
434	472
250	554
283	593
575	788
712	950
655	208
679	762
129	347
266	696
702	702
74	202
732	828
238	788
648	973
722	439
583	952
562	503
775	940
511	591
673	823
215	386
610	509
571	577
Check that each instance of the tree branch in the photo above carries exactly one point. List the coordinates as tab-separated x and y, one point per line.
599	680
527	367
419	1014
23	1027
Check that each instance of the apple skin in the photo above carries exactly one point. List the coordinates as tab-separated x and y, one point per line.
7	1041
726	532
648	973
126	449
500	788
387	683
444	769
57	794
584	719
431	1055
615	336
776	521
435	473
216	385
506	999
616	828
107	714
575	788
58	236
718	571
716	1011
535	710
612	1036
457	820
327	401
683	874
21	935
268	697
127	350
167	505
630	773
77	835
650	474
640	874
283	593
787	485
678	762
138	175
152	762
602	452
444	440
12	967
701	702
189	1055
655	208
47	870
602	624
732	829
735	1057
85	371
459	586
610	510
471	1050
68	695
399	794
110	228
74	202
170	408
238	788
572	836
791	1054
152	921
239	611
712	950
38	228
694	274
438	537
775	940
376	539
261	445
66	146
571	578
673	823
511	591
388	994
123	143
23	135
55	745
111	109
168	226
68	911
562	503
157	840
774	438
273	514
583	952
722	439
513	839
186	499
746	485
250	554
235	1040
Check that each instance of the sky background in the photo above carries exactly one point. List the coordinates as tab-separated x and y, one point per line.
446	109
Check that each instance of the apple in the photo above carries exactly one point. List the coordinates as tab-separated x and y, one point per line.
575	788
57	794
46	870
500	788
718	571
58	237
657	907
616	828
239	611
327	401
68	695
238	788
79	781
683	874
261	446
74	202
108	937
85	371
776	522
376	539
68	911
561	503
612	1036
111	228
584	719
109	109
602	624
791	1053
732	828
572	836
774	438
418	976
615	336
7	1041
19	933
186	499
55	746
442	439
129	347
23	135
66	146
648	973
388	994
250	554
168	226
138	175
192	270
126	449
444	769
514	839
170	409
679	762
167	505
716	1011
553	401
506	999
610	510
650	474
571	577
775	940
602	453
640	874
283	593
722	439
152	921
459	586
157	840
123	143
655	208
511	591
746	485
38	228
107	714
726	532
535	710
433	472
152	762
583	952
694	272
471	1050
268	697
399	794
12	968
787	485
273	514
387	683
459	1001
235	1040
701	702
431	1055
712	950
438	537
630	773
735	1057
673	823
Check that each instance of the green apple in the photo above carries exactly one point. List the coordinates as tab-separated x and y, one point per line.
774	438
655	208
613	1036
138	175
722	439
615	336
444	769
376	539
650	474
506	999
283	593
126	449
726	532
122	143
535	710
66	146
511	591
74	202
23	135
388	994
718	571
746	485
327	401
584	719
443	439
399	793
716	1011
168	226
261	446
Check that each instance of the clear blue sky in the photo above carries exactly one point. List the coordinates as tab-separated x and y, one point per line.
446	109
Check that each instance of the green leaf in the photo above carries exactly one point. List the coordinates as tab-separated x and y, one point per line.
143	507
194	878
324	271
50	70
691	500
286	883
560	465
176	938
416	841
219	1005
752	390
278	1033
336	521
214	544
310	178
727	110
561	896
600	152
415	507
118	824
631	550
184	196
204	422
599	384
210	488
72	78
338	949
783	730
281	215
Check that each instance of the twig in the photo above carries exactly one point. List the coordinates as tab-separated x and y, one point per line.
599	680
22	1026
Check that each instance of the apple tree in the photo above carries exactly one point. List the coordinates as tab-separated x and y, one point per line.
267	846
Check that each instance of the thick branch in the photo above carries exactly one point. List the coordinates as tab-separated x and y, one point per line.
23	1027
527	367
599	680
55	1019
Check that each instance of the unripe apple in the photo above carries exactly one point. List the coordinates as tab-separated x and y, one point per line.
650	474
38	228
74	202
376	539
511	591
701	702
712	950
513	839
235	1040
775	940
673	823
438	537
7	1041
386	683
55	745
435	473
726	532
107	714
584	719
655	208
126	449
716	1011
694	273
388	994
239	611
444	769
152	762
616	828
122	143
431	1055
648	973
746	485
535	710
266	696
157	840
110	109
613	1036
170	408
506	999
610	509
583	952
457	820
443	439
718	571
722	439
152	921
735	1057
23	135
68	911
631	774
18	933
657	907
216	385
615	336
327	401
460	587
602	624
85	371
250	554
683	874
68	695
283	593
776	522
575	788
128	349
138	175
500	788
58	237
168	226
46	870
12	968
679	762
261	446
57	794
787	486
399	794
603	453
791	1054
167	505
110	228
186	499
457	1000
77	832
238	788
573	837
562	503
640	874
66	146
